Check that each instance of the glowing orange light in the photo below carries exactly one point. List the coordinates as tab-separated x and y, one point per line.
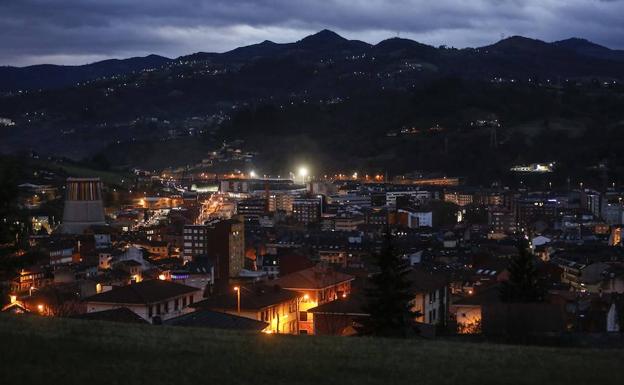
162	277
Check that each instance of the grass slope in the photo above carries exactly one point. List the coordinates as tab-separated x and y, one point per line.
38	351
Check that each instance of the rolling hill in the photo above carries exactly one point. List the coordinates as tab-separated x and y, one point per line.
37	350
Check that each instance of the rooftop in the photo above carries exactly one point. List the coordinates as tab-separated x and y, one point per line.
144	292
251	298
317	277
216	320
120	314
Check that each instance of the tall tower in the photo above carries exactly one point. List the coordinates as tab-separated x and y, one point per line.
83	205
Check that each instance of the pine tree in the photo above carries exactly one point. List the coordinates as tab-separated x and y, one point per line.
522	286
388	296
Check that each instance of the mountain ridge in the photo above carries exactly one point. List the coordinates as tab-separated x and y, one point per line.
324	42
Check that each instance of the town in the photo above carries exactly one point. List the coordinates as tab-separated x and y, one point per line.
294	254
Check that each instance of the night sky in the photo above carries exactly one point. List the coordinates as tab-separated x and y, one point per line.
82	31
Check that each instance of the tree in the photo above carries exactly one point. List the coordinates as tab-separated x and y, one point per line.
388	296
11	219
522	286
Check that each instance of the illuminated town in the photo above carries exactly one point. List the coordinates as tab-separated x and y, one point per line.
286	252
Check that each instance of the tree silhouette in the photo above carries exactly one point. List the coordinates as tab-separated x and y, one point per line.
388	296
522	286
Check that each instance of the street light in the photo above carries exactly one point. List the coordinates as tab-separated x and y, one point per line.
237	290
303	173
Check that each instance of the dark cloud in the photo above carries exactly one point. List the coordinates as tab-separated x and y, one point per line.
78	31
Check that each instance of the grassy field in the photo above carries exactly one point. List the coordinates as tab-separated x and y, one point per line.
55	351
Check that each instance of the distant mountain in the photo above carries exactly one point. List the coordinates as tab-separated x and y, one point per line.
587	48
330	98
57	76
515	56
523	57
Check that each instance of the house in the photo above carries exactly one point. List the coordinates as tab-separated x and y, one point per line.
30	279
316	285
159	249
588	312
413	218
467	311
344	315
63	252
148	299
594	277
340	317
271	304
132	267
198	273
431	296
270	265
15	306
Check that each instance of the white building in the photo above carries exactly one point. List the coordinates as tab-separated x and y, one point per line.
148	299
417	219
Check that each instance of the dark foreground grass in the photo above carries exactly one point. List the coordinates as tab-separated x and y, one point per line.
55	351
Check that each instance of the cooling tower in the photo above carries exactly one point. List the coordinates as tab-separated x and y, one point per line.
83	205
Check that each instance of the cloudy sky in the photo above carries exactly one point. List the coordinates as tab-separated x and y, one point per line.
82	31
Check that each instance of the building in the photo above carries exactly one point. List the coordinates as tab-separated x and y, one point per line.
612	211
83	205
316	286
334	257
234	186
270	304
416	196
467	311
307	210
348	222
340	317
159	249
30	279
351	200
252	208
591	201
459	198
501	221
198	273
62	253
431	297
281	202
532	209
222	241
414	219
147	299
